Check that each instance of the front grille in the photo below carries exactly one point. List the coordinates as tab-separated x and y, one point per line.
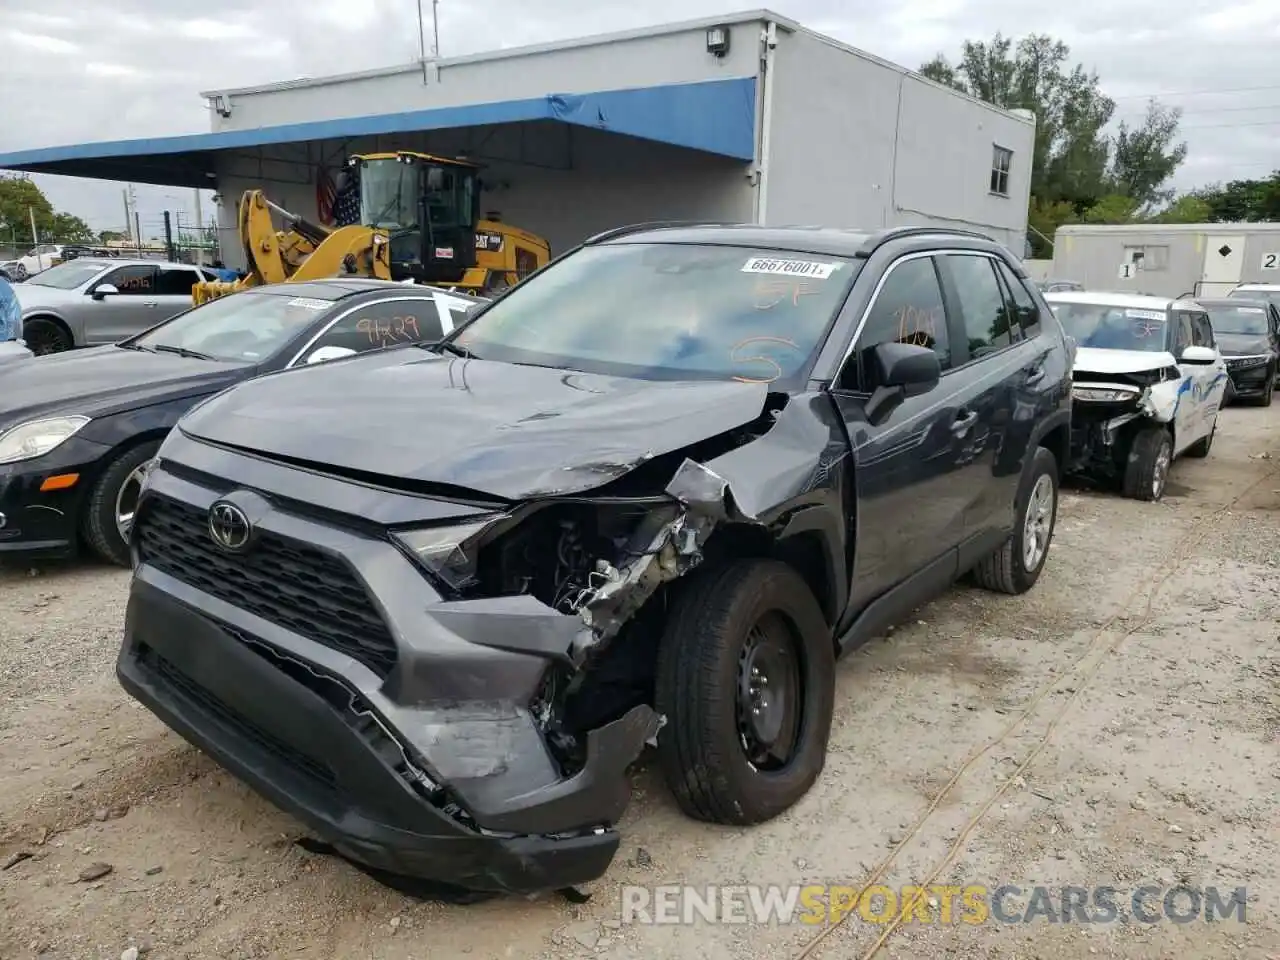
290	584
1244	363
191	691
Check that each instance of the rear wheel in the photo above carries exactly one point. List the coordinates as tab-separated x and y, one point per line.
1147	469
108	518
1015	567
746	680
45	336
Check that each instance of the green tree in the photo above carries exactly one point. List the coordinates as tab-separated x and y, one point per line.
21	201
111	236
1144	157
1243	200
1074	163
1188	208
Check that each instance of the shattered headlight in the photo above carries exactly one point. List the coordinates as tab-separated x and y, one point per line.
447	553
1104	394
35	438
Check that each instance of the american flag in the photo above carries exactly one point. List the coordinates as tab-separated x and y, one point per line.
326	194
346	202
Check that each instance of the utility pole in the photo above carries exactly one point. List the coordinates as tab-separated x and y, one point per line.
137	232
128	213
35	240
199	230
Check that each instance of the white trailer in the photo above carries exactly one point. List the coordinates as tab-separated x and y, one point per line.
1201	259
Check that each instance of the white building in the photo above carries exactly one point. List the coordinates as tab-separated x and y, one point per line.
747	117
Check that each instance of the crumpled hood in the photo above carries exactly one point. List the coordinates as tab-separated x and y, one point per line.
1242	344
104	380
1095	360
503	430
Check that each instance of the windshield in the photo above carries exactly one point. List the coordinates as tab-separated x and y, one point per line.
1108	327
389	194
668	311
1267	296
69	275
246	327
1251	320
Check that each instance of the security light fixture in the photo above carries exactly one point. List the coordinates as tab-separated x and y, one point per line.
718	41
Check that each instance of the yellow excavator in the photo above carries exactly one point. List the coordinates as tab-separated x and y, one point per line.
418	221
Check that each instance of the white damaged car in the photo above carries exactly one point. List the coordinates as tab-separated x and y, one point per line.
1147	385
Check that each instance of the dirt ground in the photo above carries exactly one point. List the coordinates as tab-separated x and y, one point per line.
1147	655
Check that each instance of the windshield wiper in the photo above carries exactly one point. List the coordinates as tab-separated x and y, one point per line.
456	349
135	346
182	352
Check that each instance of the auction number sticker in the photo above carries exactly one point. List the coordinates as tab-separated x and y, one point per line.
806	269
1250	310
1144	315
309	304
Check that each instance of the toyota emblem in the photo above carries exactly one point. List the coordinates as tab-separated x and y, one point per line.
229	527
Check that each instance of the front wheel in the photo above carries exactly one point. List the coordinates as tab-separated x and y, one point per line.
44	336
1147	470
108	518
1265	399
746	680
1015	566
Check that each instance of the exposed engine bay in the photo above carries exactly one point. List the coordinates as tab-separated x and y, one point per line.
1108	409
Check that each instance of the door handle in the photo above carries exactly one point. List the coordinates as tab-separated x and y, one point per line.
964	420
150	303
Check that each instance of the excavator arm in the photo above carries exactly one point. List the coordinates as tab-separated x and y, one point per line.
302	251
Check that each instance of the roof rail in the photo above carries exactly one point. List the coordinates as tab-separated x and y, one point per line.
616	232
897	233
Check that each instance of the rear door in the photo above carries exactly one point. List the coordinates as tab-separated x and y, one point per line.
910	509
995	371
173	290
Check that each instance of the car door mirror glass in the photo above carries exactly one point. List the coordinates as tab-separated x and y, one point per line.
324	354
104	290
1199	355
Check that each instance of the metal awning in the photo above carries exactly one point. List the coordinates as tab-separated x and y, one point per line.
713	116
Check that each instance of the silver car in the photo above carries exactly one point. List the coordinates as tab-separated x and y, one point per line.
91	301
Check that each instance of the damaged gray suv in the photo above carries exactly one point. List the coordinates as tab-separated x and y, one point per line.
435	600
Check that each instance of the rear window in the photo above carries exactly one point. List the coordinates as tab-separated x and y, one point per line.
1108	327
669	311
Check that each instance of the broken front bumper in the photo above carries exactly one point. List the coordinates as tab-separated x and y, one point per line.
429	764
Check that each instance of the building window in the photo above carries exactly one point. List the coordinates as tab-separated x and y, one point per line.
1148	257
1001	160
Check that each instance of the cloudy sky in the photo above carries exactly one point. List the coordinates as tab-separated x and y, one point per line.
82	70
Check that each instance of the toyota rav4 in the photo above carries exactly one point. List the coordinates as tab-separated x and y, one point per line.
435	601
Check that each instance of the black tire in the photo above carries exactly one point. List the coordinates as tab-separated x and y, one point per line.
100	530
701	750
45	335
1006	569
1150	447
1265	399
1200	449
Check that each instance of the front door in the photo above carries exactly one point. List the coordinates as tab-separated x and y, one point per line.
910	507
131	309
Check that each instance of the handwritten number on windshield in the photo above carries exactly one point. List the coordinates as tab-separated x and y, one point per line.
736	355
771	291
389	330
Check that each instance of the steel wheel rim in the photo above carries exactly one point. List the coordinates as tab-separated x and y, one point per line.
769	695
1038	523
127	501
1160	472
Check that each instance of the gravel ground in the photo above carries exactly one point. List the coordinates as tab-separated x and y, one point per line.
1146	656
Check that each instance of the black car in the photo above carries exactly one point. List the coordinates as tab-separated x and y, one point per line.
78	429
1248	334
435	601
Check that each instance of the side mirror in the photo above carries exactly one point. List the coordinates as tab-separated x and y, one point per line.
325	354
104	290
904	370
1199	355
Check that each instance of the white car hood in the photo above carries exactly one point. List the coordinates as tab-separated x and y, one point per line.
1096	360
33	295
